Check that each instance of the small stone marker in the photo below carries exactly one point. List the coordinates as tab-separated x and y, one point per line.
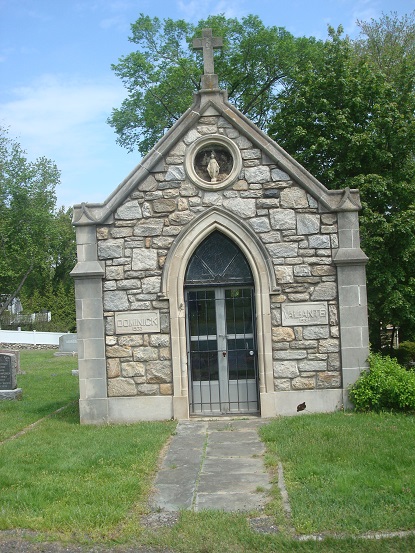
8	381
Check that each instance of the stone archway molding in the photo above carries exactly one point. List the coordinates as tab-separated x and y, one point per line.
172	287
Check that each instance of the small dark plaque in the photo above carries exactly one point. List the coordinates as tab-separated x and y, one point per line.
7	382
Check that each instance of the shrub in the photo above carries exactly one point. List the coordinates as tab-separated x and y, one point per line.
406	353
385	386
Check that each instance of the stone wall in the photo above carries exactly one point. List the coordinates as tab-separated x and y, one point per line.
299	240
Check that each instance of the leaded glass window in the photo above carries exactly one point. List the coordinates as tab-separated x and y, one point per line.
218	260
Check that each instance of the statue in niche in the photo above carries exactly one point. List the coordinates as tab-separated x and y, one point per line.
213	168
213	164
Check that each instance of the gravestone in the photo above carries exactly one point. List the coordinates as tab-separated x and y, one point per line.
16	353
68	344
8	381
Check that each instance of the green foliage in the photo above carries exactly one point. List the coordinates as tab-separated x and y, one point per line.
162	75
405	354
385	386
27	203
351	126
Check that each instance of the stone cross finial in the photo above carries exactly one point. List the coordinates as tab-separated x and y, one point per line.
207	43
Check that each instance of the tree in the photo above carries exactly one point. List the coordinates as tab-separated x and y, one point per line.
27	204
388	42
349	125
162	75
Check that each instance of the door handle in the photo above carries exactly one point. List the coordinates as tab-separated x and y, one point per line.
224	353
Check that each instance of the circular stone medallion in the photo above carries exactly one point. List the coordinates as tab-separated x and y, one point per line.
213	162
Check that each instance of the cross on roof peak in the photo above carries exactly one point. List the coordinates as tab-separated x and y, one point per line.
207	43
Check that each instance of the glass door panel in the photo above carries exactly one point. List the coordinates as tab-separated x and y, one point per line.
222	351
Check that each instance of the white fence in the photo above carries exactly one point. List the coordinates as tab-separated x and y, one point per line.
30	337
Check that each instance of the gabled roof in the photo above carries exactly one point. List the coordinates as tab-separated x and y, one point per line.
214	102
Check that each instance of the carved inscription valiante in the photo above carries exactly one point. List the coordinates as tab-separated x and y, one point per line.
310	313
137	322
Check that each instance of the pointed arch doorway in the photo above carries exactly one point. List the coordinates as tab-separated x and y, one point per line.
221	330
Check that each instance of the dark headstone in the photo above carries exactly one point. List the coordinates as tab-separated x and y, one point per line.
7	371
16	353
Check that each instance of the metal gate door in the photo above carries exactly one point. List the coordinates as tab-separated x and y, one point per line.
222	356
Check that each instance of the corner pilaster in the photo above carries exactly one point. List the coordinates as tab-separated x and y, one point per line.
351	274
88	275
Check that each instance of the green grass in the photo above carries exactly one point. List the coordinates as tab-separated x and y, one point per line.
345	473
47	385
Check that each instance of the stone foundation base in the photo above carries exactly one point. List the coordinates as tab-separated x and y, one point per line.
11	394
316	401
125	410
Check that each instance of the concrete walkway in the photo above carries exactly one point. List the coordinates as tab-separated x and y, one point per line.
213	464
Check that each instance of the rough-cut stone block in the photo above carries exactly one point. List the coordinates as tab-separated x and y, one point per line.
166	389
109	249
324	291
315	332
175	173
282	334
160	340
302	270
282	219
319	241
121	387
132	341
129	210
323	270
294	197
251	154
331	345
278	175
113	368
148	228
145	354
159	371
260	224
115	273
241	207
151	285
285	369
116	301
164	205
284	274
307	383
311	366
307	223
132	369
118	351
258	174
282	384
283	250
181	217
144	259
148	389
329	380
289	355
148	185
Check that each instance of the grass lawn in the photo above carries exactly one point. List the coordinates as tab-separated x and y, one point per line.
345	473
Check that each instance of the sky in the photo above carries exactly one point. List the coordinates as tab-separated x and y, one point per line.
57	88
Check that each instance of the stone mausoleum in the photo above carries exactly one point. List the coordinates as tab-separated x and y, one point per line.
219	278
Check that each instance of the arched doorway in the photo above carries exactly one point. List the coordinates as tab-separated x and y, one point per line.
221	330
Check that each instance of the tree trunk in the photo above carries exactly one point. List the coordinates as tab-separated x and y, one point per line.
17	291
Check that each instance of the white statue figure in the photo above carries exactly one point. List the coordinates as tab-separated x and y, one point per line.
213	168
